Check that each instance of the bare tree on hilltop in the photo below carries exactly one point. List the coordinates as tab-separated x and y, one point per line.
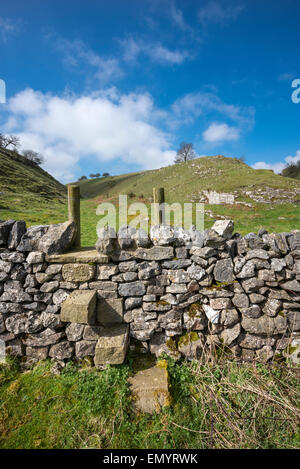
10	142
186	152
33	156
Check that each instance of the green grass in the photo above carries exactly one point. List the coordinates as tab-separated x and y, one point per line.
24	189
184	181
217	405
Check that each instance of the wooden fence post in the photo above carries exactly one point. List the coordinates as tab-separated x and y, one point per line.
159	198
74	210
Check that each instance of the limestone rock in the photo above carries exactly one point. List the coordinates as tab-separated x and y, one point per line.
61	351
272	307
44	338
190	345
230	334
85	348
74	331
78	272
229	317
112	345
125	237
104	272
131	303
79	307
92	332
162	235
292	285
224	228
160	343
240	300
265	325
179	276
38	353
5	229
58	238
265	353
16	233
132	289
141	239
223	271
30	239
150	390
106	242
182	236
156	253
110	311
35	257
196	272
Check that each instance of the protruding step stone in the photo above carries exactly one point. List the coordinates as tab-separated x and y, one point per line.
110	311
150	389
79	307
112	345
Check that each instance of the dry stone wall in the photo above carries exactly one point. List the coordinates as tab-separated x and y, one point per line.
178	292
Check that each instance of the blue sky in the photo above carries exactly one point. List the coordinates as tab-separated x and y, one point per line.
99	86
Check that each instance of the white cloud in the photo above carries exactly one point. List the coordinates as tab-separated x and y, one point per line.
76	53
286	76
131	49
156	52
105	126
215	12
178	19
278	167
166	56
194	105
216	133
7	27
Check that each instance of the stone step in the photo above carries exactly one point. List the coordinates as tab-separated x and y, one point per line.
83	307
150	389
112	345
80	307
110	311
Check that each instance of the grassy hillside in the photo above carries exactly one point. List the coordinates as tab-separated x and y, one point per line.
28	192
185	182
292	171
262	198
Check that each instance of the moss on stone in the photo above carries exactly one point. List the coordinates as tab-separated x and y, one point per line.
290	350
171	344
187	338
219	285
162	303
194	308
162	364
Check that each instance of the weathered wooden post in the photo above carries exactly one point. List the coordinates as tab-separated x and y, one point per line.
74	210
159	198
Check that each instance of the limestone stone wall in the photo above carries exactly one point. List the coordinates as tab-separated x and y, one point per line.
181	292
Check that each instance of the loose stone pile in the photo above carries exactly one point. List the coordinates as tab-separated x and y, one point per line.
180	292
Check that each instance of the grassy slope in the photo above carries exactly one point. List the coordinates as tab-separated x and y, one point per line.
28	192
184	183
34	196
